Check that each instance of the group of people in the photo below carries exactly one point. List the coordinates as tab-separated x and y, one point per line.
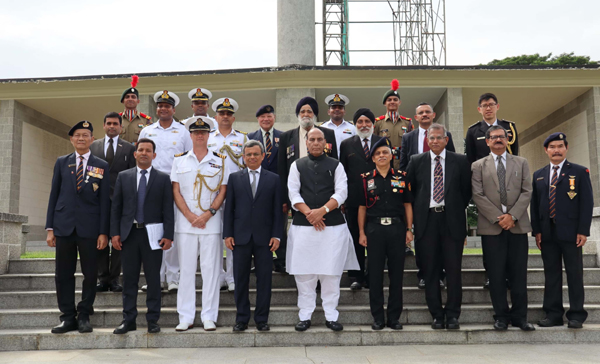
169	194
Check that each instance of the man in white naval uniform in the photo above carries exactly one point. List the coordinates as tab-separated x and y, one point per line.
320	247
199	180
171	138
225	140
200	97
336	111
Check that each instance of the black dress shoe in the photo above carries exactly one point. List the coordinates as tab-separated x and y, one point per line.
378	325
549	323
334	325
153	327
438	324
64	326
421	284
500	325
409	252
102	287
279	268
115	287
442	285
452	324
125	327
356	286
525	326
302	325
240	326
574	324
395	325
262	326
486	285
84	325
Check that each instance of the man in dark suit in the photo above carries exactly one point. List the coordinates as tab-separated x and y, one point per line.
119	155
561	215
356	158
139	201
77	222
252	227
441	195
415	142
268	136
293	146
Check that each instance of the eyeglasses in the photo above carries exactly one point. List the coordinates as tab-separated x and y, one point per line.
432	138
485	106
497	137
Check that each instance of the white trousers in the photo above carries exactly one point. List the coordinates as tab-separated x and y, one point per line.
208	247
169	268
226	275
307	295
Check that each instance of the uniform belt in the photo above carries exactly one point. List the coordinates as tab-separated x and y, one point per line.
138	225
385	220
437	209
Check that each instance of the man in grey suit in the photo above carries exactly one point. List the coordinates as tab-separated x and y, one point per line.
119	155
502	190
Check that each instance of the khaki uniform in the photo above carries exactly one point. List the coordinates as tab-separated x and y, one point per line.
394	130
132	129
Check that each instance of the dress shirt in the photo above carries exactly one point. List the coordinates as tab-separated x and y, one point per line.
340	181
421	139
369	141
264	137
115	142
174	139
139	175
489	125
257	176
86	158
432	203
302	137
504	209
560	165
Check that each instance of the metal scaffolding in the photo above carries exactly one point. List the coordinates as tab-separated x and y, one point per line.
418	32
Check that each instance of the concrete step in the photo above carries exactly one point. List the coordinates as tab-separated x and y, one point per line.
319	335
470	261
279	315
470	277
279	297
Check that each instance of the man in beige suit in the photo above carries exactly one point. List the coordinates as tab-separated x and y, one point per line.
502	190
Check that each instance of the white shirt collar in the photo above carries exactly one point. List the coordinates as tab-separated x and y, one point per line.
560	165
495	156
86	156
263	131
139	170
494	123
257	169
442	154
115	139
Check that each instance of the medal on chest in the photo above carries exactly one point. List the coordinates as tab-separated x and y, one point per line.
572	192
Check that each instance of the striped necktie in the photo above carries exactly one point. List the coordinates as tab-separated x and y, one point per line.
366	147
553	192
80	173
438	185
268	146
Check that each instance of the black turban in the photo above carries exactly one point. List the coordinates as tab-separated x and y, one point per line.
308	101
363	112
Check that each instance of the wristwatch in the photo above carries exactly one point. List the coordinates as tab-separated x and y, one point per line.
513	218
411	230
326	209
212	211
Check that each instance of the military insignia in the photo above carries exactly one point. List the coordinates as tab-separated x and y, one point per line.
571	194
561	136
395	183
336	98
86	124
199	93
140	125
215	165
365	175
269	109
180	154
384	132
226	103
395	190
540	178
347	131
71	165
175	131
165	95
371	184
174	143
290	151
402	184
405	129
571	184
95	186
481	138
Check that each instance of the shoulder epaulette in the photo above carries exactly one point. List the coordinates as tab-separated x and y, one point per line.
180	122
508	121
382	117
473	125
181	154
145	116
222	156
212	131
121	113
405	118
241	132
365	175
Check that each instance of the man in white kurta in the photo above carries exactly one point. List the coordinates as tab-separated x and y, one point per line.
199	180
225	140
320	247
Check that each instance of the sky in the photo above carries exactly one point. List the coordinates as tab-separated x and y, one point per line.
76	38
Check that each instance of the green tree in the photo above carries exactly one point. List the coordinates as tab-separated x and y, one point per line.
564	59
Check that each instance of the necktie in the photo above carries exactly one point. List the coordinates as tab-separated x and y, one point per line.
253	185
139	214
553	192
425	144
502	180
110	152
80	173
366	147
438	184
268	146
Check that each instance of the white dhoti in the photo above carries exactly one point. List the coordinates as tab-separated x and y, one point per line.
169	268
319	256
208	247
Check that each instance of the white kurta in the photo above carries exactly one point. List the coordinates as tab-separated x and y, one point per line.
327	252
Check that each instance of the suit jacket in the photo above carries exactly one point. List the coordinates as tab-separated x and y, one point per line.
256	218
352	157
123	160
289	145
410	147
158	203
475	146
486	194
88	210
573	215
257	135
457	192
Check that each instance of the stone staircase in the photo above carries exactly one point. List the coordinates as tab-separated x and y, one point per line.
28	310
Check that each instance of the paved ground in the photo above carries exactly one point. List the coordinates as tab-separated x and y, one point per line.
463	354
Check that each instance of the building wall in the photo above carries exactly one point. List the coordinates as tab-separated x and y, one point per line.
39	153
